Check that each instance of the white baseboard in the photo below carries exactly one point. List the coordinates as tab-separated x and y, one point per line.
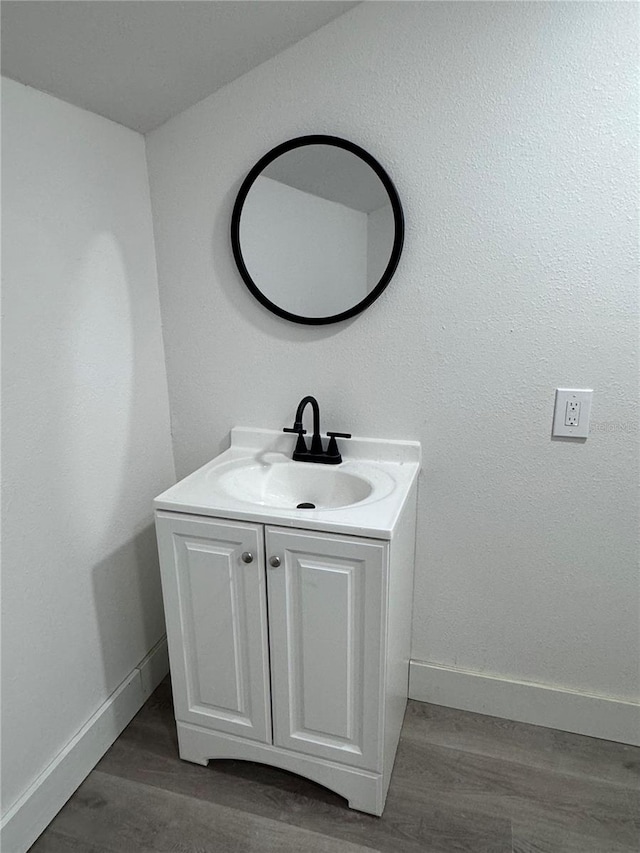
40	803
154	667
526	702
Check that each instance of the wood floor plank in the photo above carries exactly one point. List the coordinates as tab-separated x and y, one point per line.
135	818
598	810
535	746
533	838
55	842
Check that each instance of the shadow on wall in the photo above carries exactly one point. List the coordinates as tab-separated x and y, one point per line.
132	572
111	473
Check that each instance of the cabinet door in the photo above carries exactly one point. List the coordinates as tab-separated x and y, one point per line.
326	626
215	607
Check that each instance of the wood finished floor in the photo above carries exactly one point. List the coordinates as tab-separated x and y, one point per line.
461	782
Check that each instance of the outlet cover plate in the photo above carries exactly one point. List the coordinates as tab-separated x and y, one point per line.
572	404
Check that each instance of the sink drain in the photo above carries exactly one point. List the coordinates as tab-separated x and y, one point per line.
306	506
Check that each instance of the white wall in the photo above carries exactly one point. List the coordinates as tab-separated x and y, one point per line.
509	130
299	237
86	439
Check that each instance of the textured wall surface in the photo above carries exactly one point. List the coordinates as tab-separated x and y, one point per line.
509	130
86	442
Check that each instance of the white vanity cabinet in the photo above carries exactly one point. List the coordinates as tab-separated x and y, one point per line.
290	645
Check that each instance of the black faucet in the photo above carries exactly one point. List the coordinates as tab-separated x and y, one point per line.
330	456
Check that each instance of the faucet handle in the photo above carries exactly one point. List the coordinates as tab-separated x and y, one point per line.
301	444
332	449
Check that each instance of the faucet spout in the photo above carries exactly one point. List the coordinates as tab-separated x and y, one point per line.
316	441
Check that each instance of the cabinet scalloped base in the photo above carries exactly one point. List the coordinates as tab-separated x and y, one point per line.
364	791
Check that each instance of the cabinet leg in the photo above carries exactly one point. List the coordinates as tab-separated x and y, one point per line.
368	802
187	752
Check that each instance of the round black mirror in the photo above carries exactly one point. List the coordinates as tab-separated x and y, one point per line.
317	230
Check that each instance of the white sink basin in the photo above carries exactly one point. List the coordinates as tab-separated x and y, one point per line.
256	480
287	485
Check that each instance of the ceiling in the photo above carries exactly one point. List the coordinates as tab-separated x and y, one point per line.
140	62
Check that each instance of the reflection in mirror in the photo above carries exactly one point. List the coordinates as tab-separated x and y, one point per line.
317	232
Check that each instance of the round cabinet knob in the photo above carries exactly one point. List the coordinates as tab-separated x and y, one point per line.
274	562
247	557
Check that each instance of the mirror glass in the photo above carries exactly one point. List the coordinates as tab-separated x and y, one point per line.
317	230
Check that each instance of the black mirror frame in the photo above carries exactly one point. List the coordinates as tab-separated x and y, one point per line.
398	217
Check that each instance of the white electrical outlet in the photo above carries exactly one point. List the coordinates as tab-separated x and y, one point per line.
572	412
